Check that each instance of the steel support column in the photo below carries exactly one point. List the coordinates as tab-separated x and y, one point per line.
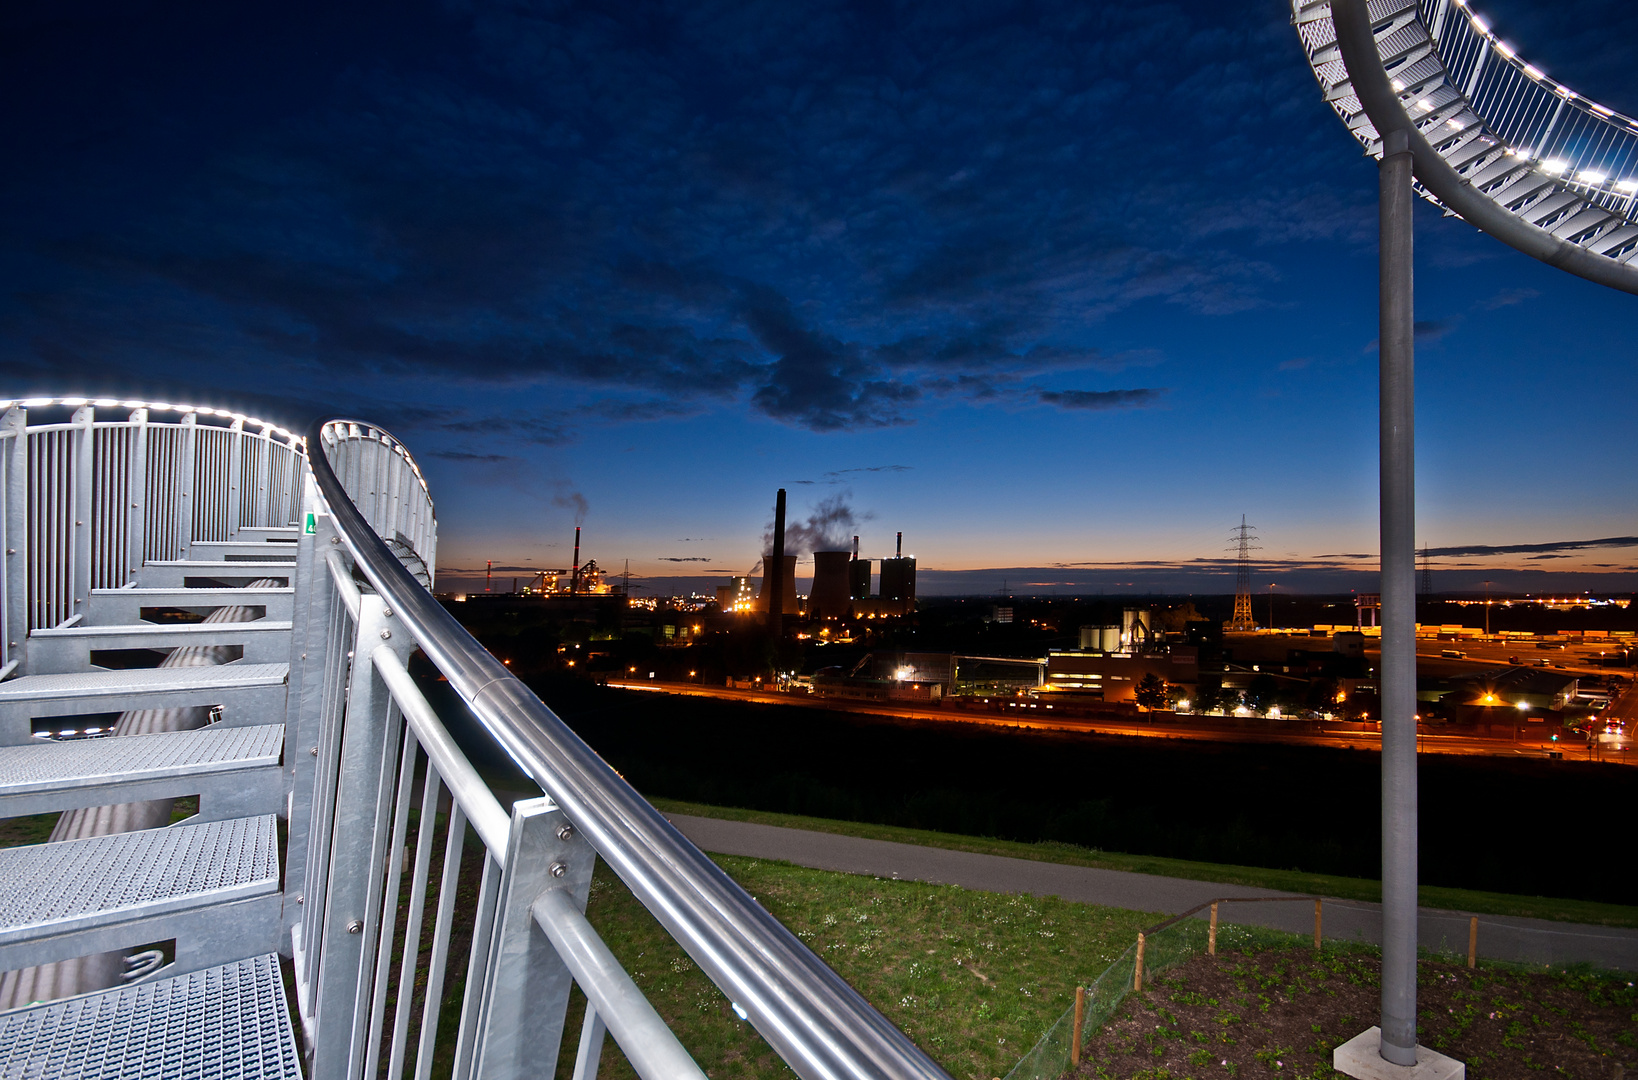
1398	539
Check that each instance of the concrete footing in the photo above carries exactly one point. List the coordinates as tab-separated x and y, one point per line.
1361	1058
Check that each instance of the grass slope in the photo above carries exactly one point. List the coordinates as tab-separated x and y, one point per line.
1348	888
974	978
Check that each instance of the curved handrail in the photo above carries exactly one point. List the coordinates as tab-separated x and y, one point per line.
819	1024
1379	99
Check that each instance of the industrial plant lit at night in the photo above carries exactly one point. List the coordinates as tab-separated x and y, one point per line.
456	466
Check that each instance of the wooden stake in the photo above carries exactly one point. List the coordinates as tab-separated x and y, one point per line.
1211	935
1080	1011
1317	924
1137	969
1473	942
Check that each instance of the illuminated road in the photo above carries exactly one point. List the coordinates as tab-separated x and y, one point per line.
1164	726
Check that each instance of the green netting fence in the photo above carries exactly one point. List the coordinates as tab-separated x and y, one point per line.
1164	946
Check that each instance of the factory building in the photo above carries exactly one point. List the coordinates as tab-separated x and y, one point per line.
737	595
898	595
858	575
1115	676
829	598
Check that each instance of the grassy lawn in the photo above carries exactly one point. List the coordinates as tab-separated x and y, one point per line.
974	978
1346	888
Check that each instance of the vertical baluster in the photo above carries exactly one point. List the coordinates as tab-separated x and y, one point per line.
590	1054
186	451
431	787
477	967
454	841
389	904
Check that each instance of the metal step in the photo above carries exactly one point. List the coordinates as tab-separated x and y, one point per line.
174	575
248	693
229	1022
75	897
292	532
109	606
265	641
234	771
256	550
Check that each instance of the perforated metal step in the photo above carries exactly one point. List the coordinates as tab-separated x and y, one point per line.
229	1022
213	762
68	648
74	885
251	693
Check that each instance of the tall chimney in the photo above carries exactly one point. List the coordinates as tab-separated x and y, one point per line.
898	553
574	580
855	549
488	574
774	585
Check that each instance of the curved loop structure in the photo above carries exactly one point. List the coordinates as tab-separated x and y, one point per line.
820	1025
1496	141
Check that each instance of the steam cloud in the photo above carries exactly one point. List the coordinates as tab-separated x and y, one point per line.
829	528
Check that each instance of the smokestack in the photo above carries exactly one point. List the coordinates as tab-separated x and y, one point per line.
855	549
488	573
574	580
774	585
898	553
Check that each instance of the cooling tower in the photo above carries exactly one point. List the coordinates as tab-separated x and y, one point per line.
788	579
829	597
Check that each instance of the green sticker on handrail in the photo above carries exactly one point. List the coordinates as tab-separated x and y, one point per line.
312	524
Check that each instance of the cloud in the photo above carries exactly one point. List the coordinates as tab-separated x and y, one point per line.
1142	398
1296	363
568	498
1430	330
1519	549
840	476
1508	297
682	558
462	455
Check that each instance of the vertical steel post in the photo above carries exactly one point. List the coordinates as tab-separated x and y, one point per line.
526	989
359	850
235	480
85	480
15	421
1398	539
137	512
187	472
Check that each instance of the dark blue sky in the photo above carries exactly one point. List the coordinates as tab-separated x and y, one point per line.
1046	286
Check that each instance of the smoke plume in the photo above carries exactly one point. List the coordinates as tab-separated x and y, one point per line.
830	527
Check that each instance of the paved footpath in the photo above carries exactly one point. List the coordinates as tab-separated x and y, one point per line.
1501	937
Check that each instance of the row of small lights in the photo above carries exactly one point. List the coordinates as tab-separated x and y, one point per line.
1552	166
115	403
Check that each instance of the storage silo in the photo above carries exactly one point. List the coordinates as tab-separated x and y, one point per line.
828	599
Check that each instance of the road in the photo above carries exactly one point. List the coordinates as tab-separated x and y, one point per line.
1162	725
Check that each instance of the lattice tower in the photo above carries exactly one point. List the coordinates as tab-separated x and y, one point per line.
1426	583
1243	540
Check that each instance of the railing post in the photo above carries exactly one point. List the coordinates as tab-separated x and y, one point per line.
526	987
304	696
235	480
359	849
15	421
261	512
187	470
85	481
137	512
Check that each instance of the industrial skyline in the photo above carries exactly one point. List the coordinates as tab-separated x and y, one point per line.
1030	285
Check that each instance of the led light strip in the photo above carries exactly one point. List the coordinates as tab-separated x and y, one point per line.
119	403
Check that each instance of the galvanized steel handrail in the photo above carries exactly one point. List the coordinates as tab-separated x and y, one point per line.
821	1026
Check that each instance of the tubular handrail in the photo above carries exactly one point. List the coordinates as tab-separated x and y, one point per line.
813	1019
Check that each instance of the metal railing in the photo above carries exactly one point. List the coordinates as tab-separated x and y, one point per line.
370	750
85	502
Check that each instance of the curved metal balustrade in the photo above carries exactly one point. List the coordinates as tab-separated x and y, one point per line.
1496	140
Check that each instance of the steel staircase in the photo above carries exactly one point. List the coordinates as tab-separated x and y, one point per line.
193	608
186	917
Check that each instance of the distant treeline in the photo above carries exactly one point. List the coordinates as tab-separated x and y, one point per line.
1532	827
